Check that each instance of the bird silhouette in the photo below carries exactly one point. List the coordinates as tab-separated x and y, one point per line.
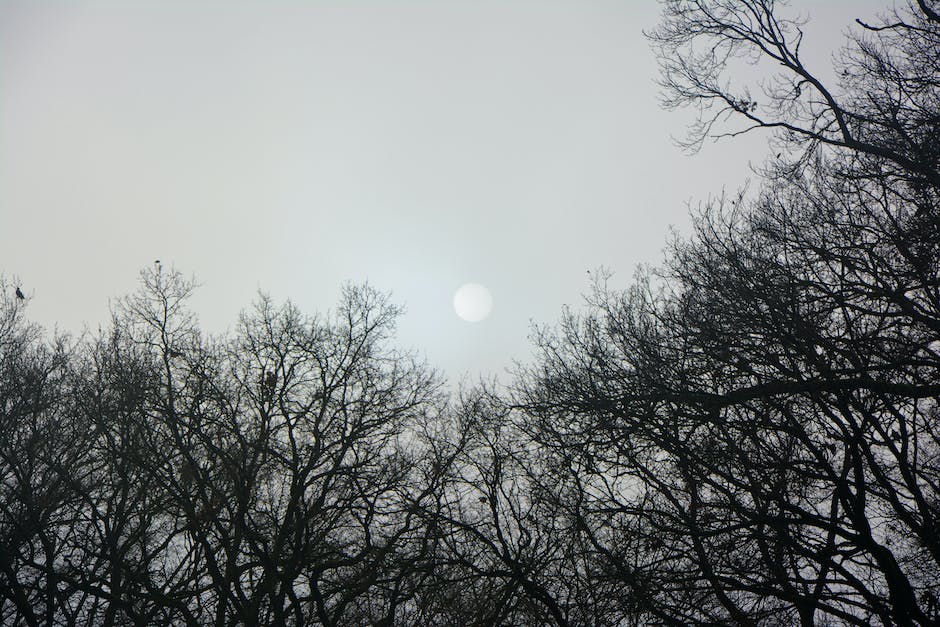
19	294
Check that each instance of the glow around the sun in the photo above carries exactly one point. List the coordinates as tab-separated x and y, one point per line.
473	302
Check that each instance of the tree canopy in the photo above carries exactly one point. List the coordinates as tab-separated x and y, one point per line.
748	434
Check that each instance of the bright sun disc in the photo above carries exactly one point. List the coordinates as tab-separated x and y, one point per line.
473	302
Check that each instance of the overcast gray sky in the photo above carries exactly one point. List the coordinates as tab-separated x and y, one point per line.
291	146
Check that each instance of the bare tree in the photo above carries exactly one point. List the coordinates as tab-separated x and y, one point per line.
749	435
496	540
752	435
37	439
157	476
882	104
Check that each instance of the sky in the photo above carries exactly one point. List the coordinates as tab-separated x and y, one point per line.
290	147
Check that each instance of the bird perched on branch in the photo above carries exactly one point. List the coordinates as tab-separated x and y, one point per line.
19	294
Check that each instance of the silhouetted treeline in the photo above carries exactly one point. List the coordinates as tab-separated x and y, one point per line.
748	435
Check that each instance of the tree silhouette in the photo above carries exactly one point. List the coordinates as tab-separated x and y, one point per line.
156	476
749	435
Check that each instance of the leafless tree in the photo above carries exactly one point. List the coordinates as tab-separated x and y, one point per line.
881	108
750	435
157	476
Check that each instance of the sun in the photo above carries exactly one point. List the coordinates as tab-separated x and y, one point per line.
473	302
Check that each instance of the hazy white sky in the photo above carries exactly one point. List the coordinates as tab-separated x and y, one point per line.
292	146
